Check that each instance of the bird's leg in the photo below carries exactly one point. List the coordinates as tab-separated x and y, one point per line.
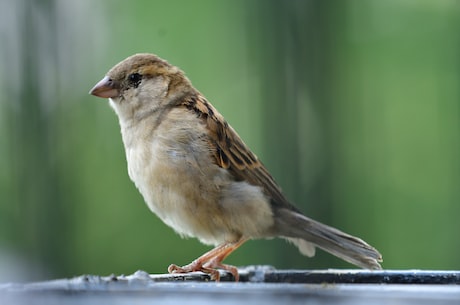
216	261
211	261
197	264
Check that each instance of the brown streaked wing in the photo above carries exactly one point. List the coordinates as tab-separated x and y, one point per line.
230	152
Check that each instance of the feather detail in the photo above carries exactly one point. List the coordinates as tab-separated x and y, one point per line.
230	152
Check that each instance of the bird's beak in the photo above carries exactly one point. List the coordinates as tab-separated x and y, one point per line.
106	88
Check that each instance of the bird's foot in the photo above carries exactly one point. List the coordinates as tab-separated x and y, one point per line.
211	261
213	272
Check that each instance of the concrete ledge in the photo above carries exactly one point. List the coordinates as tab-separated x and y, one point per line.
258	285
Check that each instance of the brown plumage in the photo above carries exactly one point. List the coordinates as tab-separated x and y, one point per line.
199	177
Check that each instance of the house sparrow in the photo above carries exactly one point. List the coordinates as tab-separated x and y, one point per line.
198	176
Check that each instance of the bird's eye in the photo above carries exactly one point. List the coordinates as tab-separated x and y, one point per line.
134	79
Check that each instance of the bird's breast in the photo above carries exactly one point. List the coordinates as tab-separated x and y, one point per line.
176	187
174	171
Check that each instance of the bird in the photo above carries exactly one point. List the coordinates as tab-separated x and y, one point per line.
198	176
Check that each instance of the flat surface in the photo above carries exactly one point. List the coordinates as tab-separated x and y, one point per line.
258	285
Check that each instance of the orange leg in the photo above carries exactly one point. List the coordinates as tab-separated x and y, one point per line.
211	261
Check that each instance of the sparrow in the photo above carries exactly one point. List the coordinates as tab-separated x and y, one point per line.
199	177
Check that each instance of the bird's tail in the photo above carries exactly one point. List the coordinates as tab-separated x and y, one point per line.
307	233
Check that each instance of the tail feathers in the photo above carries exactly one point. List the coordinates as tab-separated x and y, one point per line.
307	233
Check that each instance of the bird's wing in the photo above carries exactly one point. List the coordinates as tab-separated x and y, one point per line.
230	152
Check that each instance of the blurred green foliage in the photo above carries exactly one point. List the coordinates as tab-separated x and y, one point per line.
353	106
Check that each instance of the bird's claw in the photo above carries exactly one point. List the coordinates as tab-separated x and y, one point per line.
208	268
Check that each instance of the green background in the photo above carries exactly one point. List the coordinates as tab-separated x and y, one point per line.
353	106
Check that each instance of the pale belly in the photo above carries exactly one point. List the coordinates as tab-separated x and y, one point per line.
196	198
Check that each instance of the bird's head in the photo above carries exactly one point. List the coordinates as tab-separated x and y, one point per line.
141	83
